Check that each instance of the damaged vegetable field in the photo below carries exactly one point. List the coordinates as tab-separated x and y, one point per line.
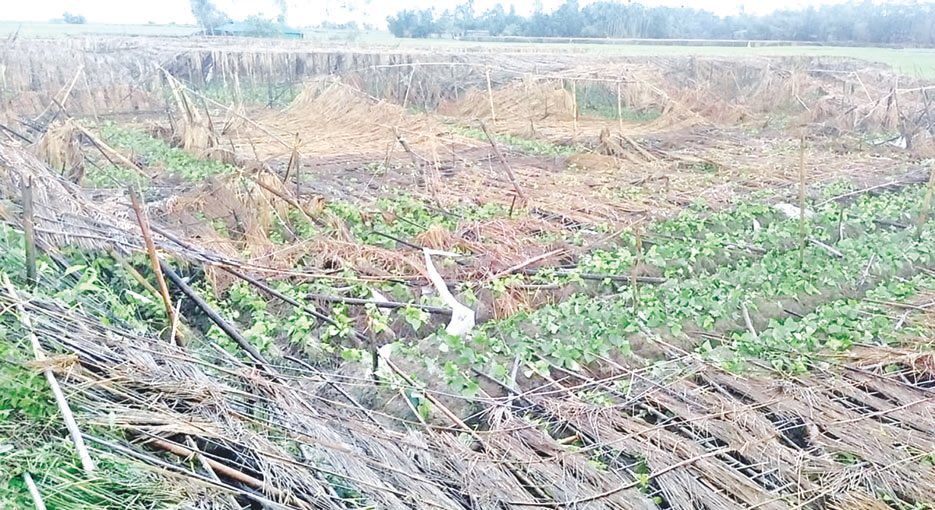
283	276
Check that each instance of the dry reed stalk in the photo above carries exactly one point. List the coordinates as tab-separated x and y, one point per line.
157	267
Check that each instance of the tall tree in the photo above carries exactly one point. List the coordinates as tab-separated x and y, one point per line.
208	15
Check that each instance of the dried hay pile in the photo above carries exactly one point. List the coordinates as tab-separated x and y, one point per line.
332	118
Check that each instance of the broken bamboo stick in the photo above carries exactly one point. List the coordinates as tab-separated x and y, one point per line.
503	161
225	326
380	304
34	491
86	462
620	278
154	258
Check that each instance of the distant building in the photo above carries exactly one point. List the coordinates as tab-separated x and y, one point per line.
246	29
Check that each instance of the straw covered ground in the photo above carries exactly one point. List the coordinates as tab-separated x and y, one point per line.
275	276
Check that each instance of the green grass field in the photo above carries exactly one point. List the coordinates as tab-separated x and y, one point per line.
917	62
8	28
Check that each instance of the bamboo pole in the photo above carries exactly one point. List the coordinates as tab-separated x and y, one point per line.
926	204
574	103
493	115
223	469
636	267
33	491
226	327
154	259
619	109
86	462
392	305
803	234
503	161
30	230
408	88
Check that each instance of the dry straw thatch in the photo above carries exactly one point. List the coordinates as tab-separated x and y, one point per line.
331	118
705	438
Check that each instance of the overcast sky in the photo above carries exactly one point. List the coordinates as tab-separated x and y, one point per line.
312	12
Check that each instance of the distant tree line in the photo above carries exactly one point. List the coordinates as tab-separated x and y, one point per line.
74	19
910	23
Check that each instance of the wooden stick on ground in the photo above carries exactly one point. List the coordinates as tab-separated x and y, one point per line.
30	231
748	321
526	263
223	469
154	258
109	152
86	462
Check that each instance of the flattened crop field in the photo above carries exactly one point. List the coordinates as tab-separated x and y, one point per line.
270	274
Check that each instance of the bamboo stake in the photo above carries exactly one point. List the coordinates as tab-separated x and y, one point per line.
33	491
30	231
154	258
574	103
109	151
636	266
86	462
186	474
408	88
493	115
619	109
802	227
926	204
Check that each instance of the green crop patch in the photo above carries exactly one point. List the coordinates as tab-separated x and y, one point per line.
524	145
150	151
